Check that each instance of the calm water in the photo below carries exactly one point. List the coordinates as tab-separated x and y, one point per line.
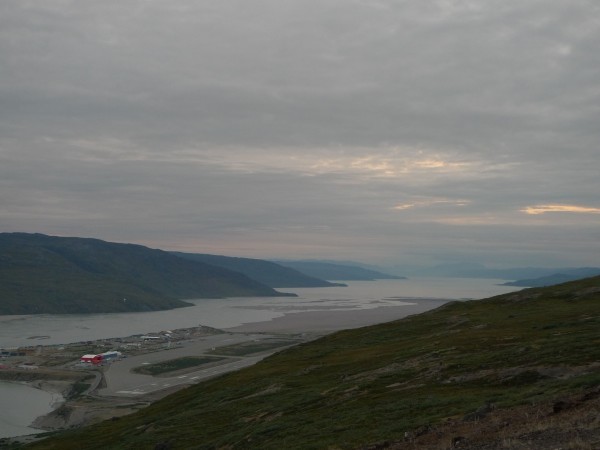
21	404
28	403
225	313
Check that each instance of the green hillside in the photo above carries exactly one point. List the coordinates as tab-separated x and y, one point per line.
46	274
380	384
266	272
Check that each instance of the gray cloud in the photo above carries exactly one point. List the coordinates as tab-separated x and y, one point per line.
388	131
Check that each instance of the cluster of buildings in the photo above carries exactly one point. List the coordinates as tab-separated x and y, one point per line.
5	353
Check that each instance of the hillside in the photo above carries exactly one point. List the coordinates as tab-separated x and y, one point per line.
266	272
46	274
519	370
331	271
557	278
475	270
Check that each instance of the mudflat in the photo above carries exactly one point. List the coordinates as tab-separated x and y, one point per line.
334	320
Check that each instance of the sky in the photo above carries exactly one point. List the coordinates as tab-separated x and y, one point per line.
402	132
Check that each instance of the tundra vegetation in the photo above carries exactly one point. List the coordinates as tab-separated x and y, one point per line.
528	358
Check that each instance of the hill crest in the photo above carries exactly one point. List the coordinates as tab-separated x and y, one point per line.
48	274
266	272
334	271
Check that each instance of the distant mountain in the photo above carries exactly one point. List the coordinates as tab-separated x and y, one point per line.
330	271
557	278
266	272
549	280
46	274
475	270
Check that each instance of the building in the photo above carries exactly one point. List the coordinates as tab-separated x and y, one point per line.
109	356
100	358
91	359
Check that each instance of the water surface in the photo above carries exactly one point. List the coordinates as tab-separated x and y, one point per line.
21	405
226	313
28	403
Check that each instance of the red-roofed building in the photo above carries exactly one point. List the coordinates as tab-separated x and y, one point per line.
91	359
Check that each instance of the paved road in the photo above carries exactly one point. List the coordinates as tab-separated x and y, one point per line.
124	383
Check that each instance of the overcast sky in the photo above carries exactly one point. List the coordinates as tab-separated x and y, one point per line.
389	132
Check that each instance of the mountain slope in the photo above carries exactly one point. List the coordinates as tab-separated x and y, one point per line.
557	278
475	270
387	383
330	271
266	272
46	274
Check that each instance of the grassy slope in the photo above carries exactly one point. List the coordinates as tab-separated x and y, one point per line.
45	274
374	383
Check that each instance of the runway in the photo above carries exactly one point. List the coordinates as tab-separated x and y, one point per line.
122	382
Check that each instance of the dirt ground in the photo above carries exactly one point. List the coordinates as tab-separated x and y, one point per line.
571	423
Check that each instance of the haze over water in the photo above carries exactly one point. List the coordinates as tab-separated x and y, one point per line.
226	313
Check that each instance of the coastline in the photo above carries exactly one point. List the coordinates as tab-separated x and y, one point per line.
58	384
54	394
72	413
323	322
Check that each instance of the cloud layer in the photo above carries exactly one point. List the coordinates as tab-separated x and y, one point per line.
385	131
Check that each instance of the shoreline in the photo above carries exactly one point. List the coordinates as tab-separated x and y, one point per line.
57	389
330	321
70	413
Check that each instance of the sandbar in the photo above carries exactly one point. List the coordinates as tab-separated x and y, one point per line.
335	320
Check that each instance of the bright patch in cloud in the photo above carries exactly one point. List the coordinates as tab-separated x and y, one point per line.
438	164
362	163
542	209
430	202
405	206
374	164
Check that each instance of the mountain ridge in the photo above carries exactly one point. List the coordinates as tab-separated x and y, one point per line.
65	275
267	272
556	278
477	270
331	271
